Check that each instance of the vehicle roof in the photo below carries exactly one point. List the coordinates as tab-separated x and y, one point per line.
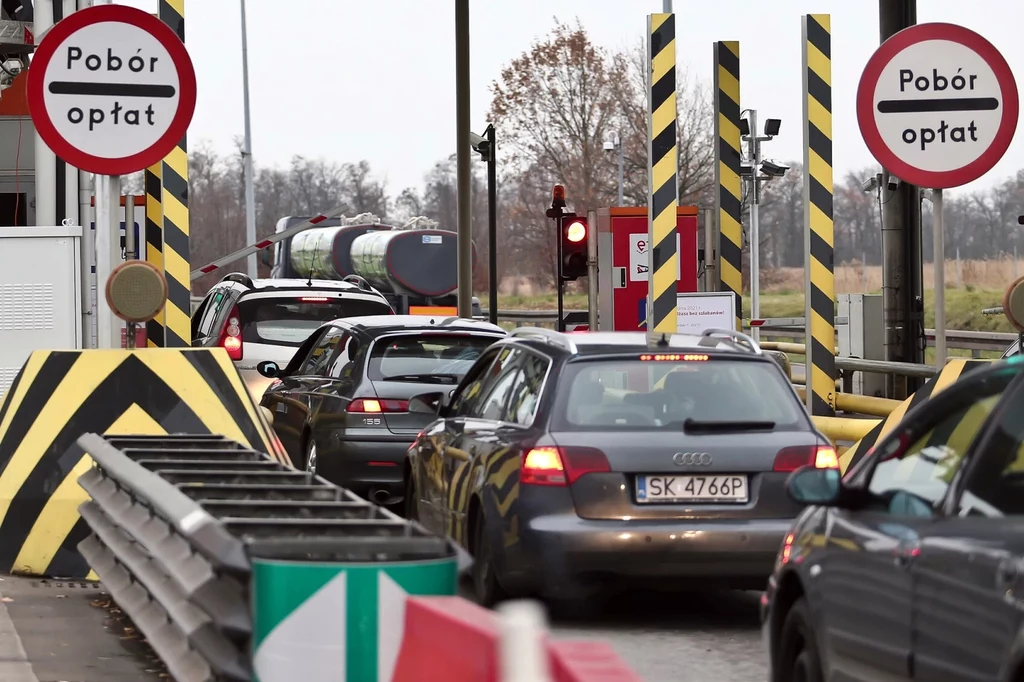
376	325
598	343
295	284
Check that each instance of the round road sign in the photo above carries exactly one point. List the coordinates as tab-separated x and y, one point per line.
937	105
111	89
1013	304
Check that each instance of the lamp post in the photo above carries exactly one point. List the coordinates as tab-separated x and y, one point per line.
615	144
760	171
250	192
485	147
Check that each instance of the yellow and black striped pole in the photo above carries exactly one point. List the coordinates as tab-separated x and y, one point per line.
154	252
729	198
819	232
174	180
663	175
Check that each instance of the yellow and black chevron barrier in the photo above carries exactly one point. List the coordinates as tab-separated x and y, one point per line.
177	313
952	372
820	292
663	174
60	395
154	253
727	172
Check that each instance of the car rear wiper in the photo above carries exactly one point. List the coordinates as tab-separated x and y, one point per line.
426	378
699	426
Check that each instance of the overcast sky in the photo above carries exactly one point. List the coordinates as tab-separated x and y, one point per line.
356	79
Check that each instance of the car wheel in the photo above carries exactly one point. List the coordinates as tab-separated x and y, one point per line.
311	456
485	583
799	660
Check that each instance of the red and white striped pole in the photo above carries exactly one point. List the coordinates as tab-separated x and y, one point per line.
260	245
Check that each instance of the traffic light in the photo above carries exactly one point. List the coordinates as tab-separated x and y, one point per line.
575	233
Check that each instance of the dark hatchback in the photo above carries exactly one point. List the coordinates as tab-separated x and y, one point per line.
568	464
911	566
359	390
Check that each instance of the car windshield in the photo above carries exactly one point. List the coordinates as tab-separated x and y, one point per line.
438	358
290	321
687	394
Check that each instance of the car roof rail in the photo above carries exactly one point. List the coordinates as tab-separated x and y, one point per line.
736	339
360	282
548	336
240	278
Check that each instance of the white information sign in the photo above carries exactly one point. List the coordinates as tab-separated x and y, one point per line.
702	310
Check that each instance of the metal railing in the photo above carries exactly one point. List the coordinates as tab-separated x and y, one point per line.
179	522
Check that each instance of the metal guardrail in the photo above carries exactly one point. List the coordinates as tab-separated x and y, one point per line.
177	520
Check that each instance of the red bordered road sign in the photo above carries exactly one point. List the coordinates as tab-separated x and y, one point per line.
937	105
111	89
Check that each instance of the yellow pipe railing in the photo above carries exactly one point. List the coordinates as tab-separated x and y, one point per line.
845	429
860	404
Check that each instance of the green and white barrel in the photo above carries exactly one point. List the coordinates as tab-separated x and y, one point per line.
332	622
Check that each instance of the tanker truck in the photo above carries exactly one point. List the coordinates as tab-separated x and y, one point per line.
414	266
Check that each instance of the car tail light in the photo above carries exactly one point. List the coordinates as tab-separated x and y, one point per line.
314	299
818	456
787	548
675	357
376	406
231	336
560	466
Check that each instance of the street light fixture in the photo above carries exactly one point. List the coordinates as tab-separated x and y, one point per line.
613	144
484	145
759	172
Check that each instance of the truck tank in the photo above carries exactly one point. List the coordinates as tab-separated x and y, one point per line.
415	262
326	251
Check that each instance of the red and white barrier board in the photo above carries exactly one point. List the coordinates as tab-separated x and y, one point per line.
455	640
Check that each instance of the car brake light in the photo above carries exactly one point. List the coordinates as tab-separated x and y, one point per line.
231	336
376	406
314	299
818	456
560	466
675	357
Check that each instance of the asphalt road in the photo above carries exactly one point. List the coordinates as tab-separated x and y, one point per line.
695	637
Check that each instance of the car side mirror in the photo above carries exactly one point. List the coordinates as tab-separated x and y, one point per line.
268	369
810	485
427	403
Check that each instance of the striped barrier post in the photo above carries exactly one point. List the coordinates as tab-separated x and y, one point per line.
154	241
174	199
820	290
729	198
663	176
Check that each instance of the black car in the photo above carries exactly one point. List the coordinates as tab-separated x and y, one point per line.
359	390
911	566
569	463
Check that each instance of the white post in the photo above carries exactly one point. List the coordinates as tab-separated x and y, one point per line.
622	165
755	255
108	223
864	271
939	259
45	160
522	654
250	196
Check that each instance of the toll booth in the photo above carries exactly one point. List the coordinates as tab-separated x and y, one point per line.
622	244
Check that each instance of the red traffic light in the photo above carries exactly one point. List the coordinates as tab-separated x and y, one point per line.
576	231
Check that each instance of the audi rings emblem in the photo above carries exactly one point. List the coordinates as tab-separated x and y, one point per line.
691	459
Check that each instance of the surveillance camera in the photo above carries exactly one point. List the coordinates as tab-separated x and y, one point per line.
893	183
1020	220
609	145
773	170
476	140
869	185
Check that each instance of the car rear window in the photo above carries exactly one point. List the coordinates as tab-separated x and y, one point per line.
290	321
433	358
634	393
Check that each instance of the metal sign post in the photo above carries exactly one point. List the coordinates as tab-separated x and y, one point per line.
111	91
937	105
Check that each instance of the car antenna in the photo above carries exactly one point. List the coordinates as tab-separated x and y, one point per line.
312	263
663	341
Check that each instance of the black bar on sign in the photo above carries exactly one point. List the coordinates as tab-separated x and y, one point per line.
919	106
112	89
